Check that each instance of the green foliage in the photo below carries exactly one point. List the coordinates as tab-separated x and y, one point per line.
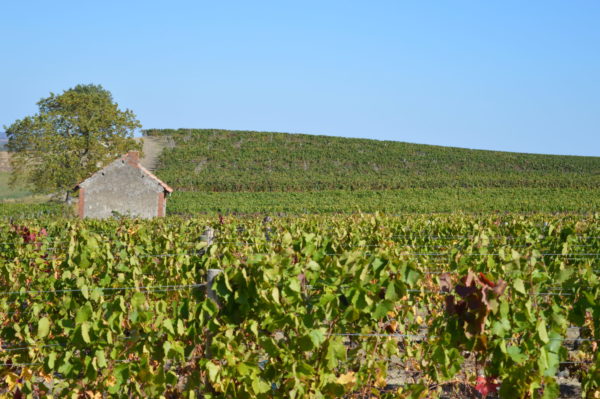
221	160
69	137
307	305
34	210
14	191
519	200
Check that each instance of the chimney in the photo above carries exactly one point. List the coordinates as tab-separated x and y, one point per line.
133	158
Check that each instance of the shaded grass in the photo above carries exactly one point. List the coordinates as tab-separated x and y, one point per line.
8	192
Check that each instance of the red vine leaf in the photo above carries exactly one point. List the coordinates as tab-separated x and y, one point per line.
485	385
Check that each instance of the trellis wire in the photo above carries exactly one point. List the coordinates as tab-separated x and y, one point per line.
428	337
91	289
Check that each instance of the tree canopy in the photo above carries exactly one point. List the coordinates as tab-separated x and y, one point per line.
73	135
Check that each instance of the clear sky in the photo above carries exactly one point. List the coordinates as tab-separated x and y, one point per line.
506	75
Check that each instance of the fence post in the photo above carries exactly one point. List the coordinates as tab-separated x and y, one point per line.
212	295
210	292
208	236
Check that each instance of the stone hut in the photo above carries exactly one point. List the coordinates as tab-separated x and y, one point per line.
124	187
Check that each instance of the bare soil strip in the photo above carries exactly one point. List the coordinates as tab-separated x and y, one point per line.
152	149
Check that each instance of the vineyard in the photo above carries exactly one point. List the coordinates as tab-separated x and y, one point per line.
441	200
31	210
241	172
407	201
361	306
233	161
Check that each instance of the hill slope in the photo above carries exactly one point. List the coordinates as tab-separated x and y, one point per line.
230	161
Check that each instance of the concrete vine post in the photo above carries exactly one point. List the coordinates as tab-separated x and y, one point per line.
211	274
210	292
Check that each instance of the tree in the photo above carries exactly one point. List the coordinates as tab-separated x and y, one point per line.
73	135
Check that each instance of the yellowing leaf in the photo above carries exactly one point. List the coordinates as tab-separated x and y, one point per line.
101	358
85	332
93	395
12	380
110	381
26	374
168	324
43	327
380	380
542	332
347	379
46	377
519	286
275	293
259	386
213	370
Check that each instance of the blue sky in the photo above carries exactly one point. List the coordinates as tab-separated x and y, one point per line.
504	75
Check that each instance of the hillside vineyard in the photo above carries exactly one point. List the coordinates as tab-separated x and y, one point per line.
231	161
